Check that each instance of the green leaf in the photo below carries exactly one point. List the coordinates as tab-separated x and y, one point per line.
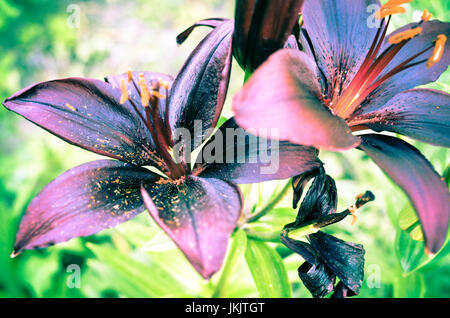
446	175
410	253
411	286
268	270
409	222
147	280
237	248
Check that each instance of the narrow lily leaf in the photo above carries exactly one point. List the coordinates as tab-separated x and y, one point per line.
423	114
237	250
159	284
234	155
198	92
409	222
340	34
426	190
410	286
261	28
86	113
268	270
83	201
410	253
199	214
212	23
283	95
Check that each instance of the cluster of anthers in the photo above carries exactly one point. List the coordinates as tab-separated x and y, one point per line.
344	102
159	128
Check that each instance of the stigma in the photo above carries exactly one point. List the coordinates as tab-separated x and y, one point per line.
426	16
438	50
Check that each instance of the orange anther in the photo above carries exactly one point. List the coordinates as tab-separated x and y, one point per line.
124	90
391	3
385	11
405	35
130	75
145	94
438	50
158	94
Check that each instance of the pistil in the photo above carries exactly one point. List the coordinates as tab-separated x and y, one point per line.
160	131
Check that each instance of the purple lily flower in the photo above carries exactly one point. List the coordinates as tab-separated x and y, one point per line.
351	77
260	28
326	257
134	118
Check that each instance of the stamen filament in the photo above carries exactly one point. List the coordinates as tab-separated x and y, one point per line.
361	74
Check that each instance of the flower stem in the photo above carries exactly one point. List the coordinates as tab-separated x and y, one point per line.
269	206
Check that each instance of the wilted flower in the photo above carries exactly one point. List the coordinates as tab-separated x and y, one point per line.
136	118
352	77
326	257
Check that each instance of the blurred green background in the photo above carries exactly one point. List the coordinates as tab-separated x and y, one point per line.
44	39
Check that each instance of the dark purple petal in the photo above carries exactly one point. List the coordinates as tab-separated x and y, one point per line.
320	200
299	183
134	89
86	113
340	35
199	214
317	278
212	23
198	92
341	291
83	201
261	28
283	94
344	259
418	74
304	249
415	175
291	43
423	114
235	155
